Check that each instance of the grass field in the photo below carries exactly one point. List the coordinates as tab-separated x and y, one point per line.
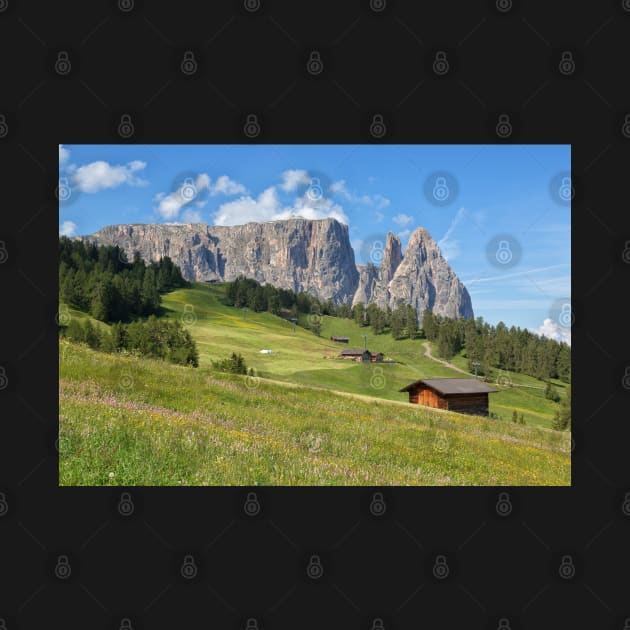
126	420
302	357
305	418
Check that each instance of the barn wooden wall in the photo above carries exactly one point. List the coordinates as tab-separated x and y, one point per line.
464	403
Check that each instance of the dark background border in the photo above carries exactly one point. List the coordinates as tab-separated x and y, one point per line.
377	59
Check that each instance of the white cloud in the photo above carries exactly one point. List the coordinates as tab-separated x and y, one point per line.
319	208
170	205
378	216
292	179
101	175
267	207
246	209
375	201
448	245
64	154
404	233
515	274
68	228
553	330
340	188
226	186
403	220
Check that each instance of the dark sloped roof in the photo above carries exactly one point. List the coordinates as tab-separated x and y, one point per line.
353	351
452	385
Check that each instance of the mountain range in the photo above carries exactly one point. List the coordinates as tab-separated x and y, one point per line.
313	256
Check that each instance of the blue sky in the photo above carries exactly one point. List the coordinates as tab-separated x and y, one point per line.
500	213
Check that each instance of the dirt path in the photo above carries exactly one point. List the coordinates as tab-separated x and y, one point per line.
427	353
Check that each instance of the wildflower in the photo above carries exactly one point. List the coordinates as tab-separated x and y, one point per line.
111	475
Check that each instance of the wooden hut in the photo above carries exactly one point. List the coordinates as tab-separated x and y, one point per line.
356	355
377	357
341	339
463	395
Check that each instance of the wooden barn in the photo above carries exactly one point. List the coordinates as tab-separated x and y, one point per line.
377	357
463	395
356	355
341	339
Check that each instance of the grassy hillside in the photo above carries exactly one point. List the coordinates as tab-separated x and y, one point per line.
301	357
131	421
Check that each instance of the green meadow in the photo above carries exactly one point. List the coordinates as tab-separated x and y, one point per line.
304	418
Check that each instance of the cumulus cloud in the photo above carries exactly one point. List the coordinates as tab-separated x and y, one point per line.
267	207
553	330
64	154
226	186
404	234
169	205
100	175
68	228
293	178
402	219
246	209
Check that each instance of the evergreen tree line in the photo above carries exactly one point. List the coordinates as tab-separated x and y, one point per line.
157	338
512	349
248	293
99	280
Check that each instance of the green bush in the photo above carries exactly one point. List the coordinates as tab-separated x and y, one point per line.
158	338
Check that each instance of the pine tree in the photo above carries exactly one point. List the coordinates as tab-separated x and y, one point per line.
429	325
149	293
521	418
411	321
514	416
564	413
358	313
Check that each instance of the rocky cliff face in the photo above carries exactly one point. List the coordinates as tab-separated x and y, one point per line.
422	278
298	254
302	255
